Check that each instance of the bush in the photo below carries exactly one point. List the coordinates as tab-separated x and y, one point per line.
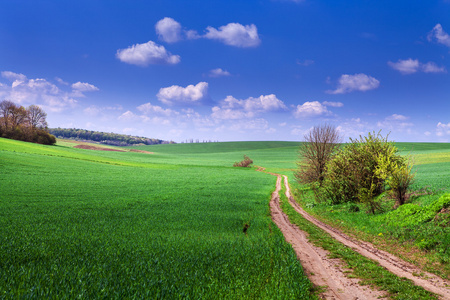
244	163
362	170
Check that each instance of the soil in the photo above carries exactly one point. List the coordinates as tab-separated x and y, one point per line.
140	151
324	271
90	147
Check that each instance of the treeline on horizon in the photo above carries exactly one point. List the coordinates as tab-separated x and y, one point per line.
27	124
107	138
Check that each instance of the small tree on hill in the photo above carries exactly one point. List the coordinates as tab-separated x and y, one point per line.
319	146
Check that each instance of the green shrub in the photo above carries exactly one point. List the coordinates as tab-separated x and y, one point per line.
361	171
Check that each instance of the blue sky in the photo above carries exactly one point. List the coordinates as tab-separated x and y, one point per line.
231	70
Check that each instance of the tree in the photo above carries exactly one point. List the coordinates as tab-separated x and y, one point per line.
36	117
28	125
6	108
315	152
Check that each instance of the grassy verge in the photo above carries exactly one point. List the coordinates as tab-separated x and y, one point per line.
370	272
414	232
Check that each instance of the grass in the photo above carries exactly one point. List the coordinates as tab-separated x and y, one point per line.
82	223
91	224
416	232
370	272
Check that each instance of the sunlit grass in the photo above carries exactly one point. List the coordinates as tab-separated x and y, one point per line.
92	224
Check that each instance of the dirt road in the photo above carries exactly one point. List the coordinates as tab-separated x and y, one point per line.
324	271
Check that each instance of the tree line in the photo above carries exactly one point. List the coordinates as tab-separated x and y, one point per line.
106	138
27	124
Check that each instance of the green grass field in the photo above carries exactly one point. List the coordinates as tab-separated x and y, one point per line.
96	224
100	224
418	231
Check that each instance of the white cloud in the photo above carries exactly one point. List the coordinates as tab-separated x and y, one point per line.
229	114
36	91
13	76
232	108
396	117
149	109
92	110
410	66
299	131
358	82
218	73
431	67
442	129
333	104
235	34
188	95
80	87
84	87
168	30
439	35
61	81
406	66
310	109
128	116
353	128
192	35
146	54
395	122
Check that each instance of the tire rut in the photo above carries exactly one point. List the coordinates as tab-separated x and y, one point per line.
320	269
399	267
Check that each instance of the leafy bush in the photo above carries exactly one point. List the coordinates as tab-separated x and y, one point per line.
363	170
244	163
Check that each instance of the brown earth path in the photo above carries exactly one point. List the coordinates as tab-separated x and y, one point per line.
324	271
320	269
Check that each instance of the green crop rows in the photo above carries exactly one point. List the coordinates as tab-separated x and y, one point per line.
91	224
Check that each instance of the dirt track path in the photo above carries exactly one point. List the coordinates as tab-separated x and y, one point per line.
324	271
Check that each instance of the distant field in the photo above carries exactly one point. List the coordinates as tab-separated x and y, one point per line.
97	224
274	156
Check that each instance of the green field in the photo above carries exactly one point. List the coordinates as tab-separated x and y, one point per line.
98	224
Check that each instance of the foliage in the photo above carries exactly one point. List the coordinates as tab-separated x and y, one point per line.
92	224
315	152
244	163
360	171
24	124
114	139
